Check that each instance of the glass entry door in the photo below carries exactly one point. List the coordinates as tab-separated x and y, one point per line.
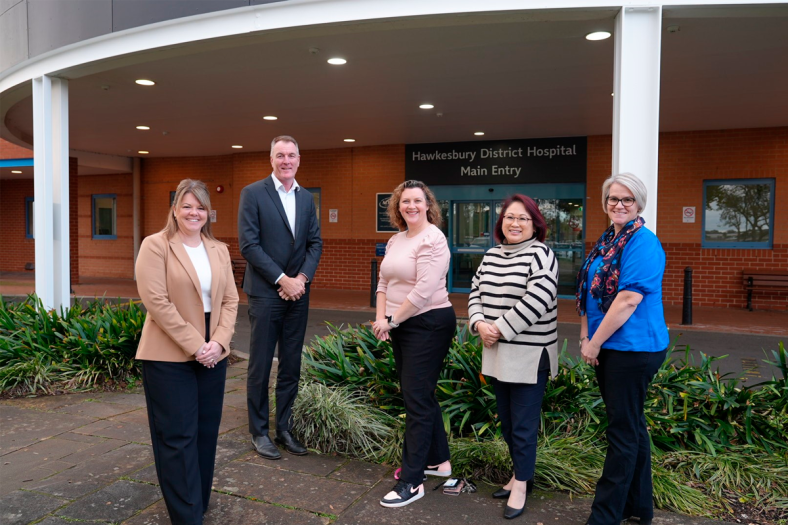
470	233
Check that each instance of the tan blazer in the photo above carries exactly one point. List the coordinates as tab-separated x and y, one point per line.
170	290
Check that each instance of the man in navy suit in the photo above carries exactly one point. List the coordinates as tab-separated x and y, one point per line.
279	237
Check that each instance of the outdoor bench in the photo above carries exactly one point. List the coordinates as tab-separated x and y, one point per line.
763	280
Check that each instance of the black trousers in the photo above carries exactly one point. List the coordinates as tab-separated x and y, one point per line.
519	410
625	488
274	321
420	345
184	403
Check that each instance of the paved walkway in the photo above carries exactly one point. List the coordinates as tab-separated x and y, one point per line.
87	458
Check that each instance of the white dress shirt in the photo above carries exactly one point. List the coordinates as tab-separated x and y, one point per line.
288	199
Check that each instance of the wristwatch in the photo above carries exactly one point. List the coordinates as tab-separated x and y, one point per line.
391	322
580	342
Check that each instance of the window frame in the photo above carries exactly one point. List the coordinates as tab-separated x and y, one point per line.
319	193
750	245
114	197
29	218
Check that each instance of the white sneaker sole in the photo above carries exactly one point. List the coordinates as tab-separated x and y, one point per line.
441	473
402	503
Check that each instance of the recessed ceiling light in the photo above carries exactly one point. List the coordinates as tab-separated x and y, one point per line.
337	61
143	152
478	133
598	35
145	82
236	146
350	140
426	106
143	127
16	171
269	117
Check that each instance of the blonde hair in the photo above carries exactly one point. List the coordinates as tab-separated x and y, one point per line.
200	192
433	208
630	182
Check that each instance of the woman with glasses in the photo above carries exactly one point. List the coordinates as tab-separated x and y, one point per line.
624	336
513	308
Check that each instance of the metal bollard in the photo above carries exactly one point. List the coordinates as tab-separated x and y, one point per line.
686	310
373	284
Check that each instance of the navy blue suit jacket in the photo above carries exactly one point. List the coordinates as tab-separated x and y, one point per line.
267	243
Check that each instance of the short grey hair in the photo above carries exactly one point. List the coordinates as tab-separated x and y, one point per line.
284	138
630	182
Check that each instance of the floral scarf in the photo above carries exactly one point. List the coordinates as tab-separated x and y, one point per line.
604	285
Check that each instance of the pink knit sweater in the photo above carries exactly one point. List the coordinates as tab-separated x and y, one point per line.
415	269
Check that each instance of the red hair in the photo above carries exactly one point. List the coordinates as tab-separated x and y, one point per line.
539	224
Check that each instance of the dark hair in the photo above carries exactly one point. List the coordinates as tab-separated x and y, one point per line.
540	226
433	208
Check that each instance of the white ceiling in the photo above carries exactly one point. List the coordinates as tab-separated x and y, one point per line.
513	75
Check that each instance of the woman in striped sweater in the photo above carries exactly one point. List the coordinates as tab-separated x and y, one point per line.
513	308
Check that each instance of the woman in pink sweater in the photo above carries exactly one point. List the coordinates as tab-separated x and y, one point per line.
413	310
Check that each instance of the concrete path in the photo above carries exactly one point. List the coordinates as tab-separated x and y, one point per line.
87	458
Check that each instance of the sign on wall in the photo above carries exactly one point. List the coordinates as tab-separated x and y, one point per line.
382	222
523	161
688	213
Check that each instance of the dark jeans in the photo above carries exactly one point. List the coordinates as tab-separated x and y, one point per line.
274	321
184	411
519	410
625	487
420	345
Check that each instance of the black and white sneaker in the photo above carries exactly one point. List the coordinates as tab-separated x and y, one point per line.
402	494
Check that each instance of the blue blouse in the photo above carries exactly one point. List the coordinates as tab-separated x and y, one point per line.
642	268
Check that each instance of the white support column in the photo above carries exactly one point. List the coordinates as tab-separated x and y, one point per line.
50	186
638	42
136	196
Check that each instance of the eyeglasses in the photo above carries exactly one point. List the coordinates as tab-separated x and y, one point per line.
626	201
512	218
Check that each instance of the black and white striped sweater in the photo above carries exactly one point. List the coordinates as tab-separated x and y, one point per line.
515	287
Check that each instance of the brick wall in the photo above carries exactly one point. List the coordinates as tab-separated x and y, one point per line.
12	151
686	159
106	257
17	248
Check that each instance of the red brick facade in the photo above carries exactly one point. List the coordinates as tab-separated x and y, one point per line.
349	178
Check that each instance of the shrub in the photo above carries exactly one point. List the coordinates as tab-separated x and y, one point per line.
712	436
81	347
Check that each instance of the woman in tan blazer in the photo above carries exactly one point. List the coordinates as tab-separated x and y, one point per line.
185	280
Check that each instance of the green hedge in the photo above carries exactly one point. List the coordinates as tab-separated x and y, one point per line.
689	406
44	351
713	437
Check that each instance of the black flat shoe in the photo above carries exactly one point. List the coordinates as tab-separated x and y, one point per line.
290	443
634	519
265	447
503	493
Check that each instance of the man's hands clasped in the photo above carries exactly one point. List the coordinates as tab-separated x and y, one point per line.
292	288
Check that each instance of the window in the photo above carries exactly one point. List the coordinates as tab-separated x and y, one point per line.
738	213
316	195
104	216
29	224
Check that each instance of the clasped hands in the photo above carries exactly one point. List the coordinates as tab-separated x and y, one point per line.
292	288
381	329
209	354
589	351
488	332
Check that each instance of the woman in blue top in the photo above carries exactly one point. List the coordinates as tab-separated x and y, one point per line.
624	336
